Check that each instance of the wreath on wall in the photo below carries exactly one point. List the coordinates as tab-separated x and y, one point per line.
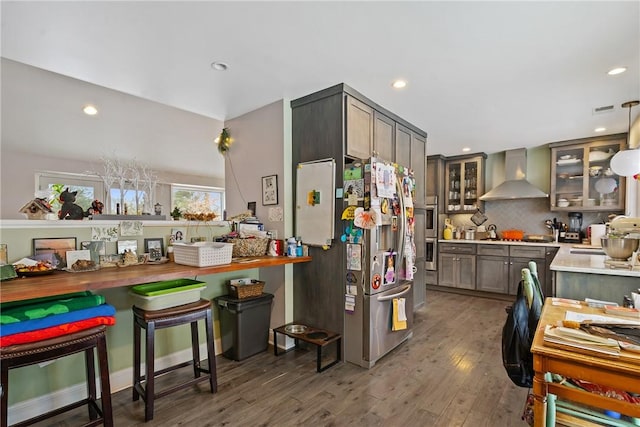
224	141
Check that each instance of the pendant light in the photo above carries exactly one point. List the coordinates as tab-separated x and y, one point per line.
627	162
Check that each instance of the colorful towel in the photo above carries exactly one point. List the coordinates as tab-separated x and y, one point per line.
12	304
57	319
56	331
42	309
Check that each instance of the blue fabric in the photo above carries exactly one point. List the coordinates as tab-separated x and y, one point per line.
57	319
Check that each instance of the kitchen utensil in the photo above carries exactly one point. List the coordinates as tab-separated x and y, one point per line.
478	218
470	233
598	156
575	221
492	229
549	224
512	234
619	248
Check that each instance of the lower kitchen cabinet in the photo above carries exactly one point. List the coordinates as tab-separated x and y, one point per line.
519	259
493	268
457	266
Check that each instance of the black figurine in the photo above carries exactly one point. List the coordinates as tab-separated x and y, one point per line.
69	209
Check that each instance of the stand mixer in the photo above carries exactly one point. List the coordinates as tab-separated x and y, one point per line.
625	226
621	229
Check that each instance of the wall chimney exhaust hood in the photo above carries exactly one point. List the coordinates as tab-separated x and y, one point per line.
515	186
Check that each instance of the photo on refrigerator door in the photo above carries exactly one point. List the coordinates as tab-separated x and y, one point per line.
389	268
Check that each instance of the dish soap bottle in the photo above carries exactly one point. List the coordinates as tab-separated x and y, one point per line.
448	229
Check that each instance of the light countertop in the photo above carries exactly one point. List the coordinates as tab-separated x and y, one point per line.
581	263
501	242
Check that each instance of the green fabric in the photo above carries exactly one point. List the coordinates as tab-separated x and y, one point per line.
11	304
42	309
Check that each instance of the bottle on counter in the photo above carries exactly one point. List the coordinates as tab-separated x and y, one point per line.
292	244
299	248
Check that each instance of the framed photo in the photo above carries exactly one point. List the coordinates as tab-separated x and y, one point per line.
155	248
128	245
56	247
251	206
178	235
270	190
96	249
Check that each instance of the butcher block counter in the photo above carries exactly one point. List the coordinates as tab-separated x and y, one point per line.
62	282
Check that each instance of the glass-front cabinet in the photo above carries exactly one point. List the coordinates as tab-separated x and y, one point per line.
581	175
465	183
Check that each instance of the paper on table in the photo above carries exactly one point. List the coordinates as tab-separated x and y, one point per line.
581	317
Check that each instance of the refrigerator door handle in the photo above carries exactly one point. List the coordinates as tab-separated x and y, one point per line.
406	289
403	222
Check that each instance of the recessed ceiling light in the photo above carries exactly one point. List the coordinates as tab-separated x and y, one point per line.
617	70
466	149
219	66
90	110
399	84
600	129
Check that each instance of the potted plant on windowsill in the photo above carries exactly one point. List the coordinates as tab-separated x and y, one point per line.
176	213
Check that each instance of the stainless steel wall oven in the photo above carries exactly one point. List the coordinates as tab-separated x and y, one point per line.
432	217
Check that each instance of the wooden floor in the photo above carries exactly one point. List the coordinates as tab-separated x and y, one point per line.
449	374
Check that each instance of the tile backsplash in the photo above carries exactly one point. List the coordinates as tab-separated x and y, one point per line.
525	214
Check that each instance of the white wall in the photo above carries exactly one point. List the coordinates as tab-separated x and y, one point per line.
259	150
43	128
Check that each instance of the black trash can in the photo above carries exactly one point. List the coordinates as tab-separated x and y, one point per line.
244	325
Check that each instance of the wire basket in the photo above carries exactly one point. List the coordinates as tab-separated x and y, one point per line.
249	247
202	254
248	290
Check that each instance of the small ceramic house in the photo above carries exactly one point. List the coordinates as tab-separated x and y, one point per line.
36	209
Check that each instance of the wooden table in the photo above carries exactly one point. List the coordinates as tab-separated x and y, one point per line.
622	373
62	282
316	336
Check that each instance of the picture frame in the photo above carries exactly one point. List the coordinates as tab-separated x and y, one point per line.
251	206
270	190
56	247
155	248
97	248
128	245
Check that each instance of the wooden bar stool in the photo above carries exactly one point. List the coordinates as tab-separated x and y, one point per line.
20	355
150	320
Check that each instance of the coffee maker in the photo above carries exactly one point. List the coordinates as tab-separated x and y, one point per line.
574	233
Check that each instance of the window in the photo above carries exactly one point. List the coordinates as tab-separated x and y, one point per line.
198	199
132	202
51	184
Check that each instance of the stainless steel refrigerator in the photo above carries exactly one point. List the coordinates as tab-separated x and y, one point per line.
380	266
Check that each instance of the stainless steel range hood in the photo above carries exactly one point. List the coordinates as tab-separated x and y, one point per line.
515	186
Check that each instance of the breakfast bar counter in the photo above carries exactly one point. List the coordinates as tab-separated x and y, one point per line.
62	282
580	276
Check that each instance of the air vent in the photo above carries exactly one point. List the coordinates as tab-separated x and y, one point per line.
603	109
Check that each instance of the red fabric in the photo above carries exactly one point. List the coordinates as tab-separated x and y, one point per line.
56	331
